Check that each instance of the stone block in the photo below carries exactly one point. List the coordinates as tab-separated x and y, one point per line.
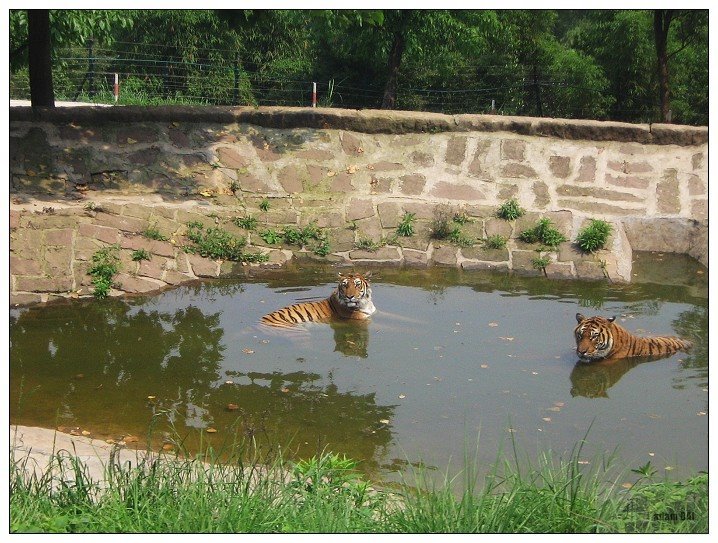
126	224
419	158
485	254
341	183
383	253
513	150
231	158
422	210
290	177
370	229
412	185
24	298
414	258
560	166
587	170
481	265
574	191
319	155
134	285
178	138
587	269
43	284
61	236
389	214
455	150
58	260
153	268
515	170
696	186
599	208
203	267
697	161
522	262
341	239
542	198
14	219
668	193
351	145
507	191
559	270
380	185
446	255
628	181
456	191
385	166
24	266
359	209
699	210
135	133
101	233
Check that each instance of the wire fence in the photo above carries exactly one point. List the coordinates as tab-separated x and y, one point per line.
148	75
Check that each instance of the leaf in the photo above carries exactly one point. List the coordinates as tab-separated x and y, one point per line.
247	351
211	430
232	407
331	173
131	439
131	141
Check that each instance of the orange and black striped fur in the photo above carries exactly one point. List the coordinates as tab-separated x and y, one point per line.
350	300
600	338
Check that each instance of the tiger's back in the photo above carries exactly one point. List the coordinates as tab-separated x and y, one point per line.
350	300
601	338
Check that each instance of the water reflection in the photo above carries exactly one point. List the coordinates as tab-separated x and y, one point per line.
95	365
592	380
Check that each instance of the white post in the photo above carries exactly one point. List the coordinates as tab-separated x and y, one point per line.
314	94
117	87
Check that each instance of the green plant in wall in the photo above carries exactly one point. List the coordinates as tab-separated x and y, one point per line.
544	232
406	225
233	186
248	222
218	244
366	244
105	265
510	210
540	263
151	232
271	236
141	254
264	205
495	241
461	217
594	236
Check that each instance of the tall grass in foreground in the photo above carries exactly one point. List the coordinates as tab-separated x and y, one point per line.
328	494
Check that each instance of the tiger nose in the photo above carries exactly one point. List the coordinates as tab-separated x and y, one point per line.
581	352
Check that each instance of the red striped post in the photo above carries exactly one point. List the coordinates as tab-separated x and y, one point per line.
314	94
117	87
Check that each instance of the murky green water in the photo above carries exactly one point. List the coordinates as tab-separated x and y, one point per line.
449	355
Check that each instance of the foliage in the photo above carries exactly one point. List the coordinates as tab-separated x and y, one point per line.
218	244
310	236
140	254
543	233
495	241
510	210
366	244
594	236
264	205
540	262
271	236
105	265
248	222
444	226
151	232
406	225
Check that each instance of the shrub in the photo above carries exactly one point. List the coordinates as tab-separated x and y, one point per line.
544	233
510	210
594	236
406	226
105	265
495	241
219	244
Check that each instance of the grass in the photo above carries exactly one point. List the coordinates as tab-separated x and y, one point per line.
327	493
151	232
495	241
445	225
544	232
105	265
140	254
594	236
248	222
510	210
310	236
218	244
406	225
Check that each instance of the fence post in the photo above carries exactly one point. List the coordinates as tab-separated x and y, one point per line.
235	97
90	68
117	87
314	94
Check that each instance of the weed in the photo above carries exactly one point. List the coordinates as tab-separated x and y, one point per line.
105	265
322	248
264	205
353	225
460	217
495	241
248	222
540	262
140	254
441	227
233	186
594	236
406	226
510	210
219	244
151	232
271	236
367	245
543	233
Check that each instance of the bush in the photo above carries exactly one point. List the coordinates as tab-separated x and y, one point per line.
105	265
496	241
544	233
406	226
594	236
510	210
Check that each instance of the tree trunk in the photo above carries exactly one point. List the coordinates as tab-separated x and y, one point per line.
397	50
661	24
40	63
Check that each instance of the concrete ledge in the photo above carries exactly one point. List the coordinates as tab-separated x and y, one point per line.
371	122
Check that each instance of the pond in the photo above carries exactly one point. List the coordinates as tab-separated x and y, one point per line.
450	356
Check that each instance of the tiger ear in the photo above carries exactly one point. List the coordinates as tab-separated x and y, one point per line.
611	319
580	318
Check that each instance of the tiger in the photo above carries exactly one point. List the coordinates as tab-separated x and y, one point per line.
350	300
600	338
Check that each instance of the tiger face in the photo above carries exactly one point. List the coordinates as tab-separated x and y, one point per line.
354	293
594	338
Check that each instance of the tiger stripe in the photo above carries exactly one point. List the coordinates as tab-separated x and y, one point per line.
601	338
350	300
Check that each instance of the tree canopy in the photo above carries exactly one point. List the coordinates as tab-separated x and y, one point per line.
627	65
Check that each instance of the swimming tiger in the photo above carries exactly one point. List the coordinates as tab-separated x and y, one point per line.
350	300
598	338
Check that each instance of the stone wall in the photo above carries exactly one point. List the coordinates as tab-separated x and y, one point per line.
83	178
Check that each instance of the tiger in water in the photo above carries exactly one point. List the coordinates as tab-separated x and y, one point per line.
600	338
350	300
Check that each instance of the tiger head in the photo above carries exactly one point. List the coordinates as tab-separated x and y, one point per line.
354	293
594	337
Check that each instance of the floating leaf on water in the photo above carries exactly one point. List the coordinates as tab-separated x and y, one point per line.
211	430
284	389
651	454
402	396
627	485
506	338
331	173
80	376
110	441
669	468
584	462
559	404
85	433
232	407
151	398
247	351
493	324
384	421
554	409
546	419
131	439
534	373
229	382
701	413
75	432
168	447
131	141
484	366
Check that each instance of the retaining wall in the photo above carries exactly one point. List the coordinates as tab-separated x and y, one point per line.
83	178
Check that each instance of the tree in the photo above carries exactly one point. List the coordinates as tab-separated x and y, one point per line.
661	25
40	63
